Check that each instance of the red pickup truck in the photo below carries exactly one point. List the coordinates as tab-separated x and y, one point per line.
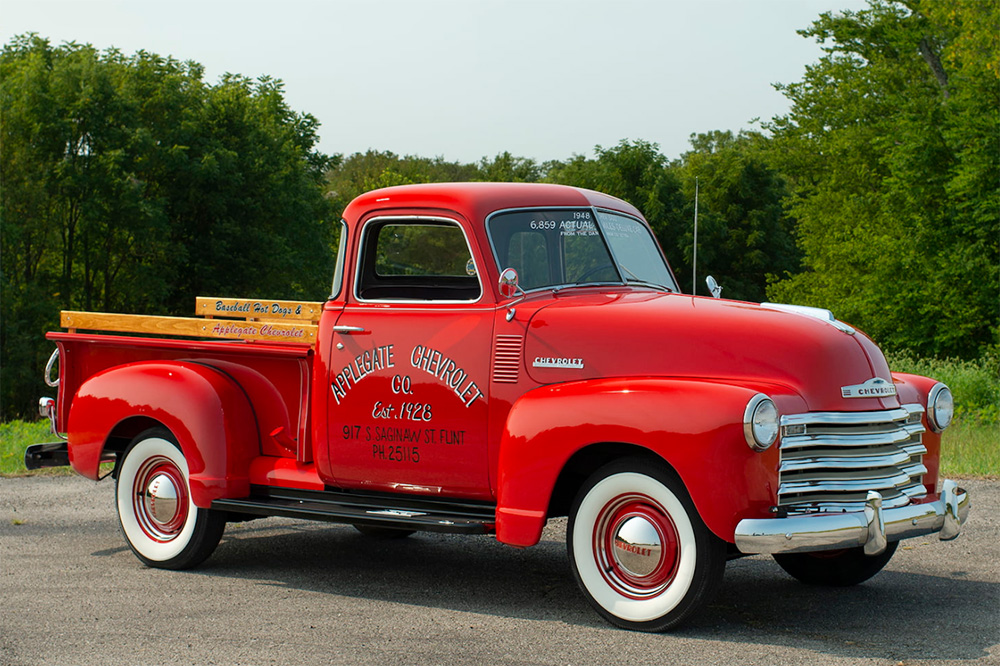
495	355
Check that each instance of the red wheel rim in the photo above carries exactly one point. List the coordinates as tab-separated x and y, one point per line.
636	546
160	499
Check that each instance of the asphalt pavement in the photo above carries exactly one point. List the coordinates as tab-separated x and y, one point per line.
280	591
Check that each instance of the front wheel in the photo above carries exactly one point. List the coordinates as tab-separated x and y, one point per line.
835	568
161	524
638	548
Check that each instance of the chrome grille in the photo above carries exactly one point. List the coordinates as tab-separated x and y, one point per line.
507	361
830	460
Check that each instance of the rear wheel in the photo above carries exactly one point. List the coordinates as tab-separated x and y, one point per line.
835	568
161	524
638	548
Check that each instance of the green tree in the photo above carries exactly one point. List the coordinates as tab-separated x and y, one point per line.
505	168
128	184
633	170
892	153
636	172
744	235
254	220
358	173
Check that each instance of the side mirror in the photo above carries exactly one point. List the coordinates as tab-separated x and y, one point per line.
713	287
509	283
509	286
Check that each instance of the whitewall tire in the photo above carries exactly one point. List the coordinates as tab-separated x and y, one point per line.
161	524
638	548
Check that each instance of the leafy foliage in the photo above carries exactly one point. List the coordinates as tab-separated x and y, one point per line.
743	232
974	383
358	173
744	235
131	185
506	168
892	153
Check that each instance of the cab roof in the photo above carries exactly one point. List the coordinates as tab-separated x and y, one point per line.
477	200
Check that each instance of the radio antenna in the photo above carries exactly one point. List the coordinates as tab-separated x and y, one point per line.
694	258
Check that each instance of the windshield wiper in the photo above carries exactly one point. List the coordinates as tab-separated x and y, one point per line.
644	283
569	285
635	279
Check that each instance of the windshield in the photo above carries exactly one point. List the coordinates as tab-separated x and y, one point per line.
576	246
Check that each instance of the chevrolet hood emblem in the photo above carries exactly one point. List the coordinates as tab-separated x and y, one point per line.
873	388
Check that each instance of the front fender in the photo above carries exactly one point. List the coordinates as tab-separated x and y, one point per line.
914	389
207	411
695	426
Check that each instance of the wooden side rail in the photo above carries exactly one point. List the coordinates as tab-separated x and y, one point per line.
271	331
253	310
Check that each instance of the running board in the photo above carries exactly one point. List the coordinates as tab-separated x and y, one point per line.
357	508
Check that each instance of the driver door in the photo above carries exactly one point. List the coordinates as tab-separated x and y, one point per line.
409	372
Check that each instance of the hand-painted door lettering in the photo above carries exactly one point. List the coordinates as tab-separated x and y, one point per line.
363	365
445	369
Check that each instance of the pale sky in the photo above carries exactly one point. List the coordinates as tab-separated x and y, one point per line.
464	79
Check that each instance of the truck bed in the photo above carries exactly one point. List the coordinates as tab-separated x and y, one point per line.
272	366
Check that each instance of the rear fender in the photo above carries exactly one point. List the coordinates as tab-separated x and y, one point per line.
206	410
695	427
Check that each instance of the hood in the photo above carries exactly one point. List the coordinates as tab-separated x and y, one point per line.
642	334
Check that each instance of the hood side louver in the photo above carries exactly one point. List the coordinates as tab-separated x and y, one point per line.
507	361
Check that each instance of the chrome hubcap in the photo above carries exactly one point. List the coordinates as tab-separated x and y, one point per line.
161	499
637	546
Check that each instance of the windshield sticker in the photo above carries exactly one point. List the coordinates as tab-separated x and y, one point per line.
621	229
580	225
551	362
470	268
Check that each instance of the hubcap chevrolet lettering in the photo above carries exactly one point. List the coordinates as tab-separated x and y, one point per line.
161	499
637	547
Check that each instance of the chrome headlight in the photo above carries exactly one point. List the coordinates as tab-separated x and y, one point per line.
940	407
760	422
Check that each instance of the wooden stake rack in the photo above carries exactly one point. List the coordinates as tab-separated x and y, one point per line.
226	318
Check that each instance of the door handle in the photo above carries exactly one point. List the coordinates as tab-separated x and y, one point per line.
347	330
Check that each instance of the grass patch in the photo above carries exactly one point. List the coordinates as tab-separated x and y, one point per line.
15	437
975	384
971	448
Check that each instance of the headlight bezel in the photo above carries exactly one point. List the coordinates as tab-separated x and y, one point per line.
761	423
940	414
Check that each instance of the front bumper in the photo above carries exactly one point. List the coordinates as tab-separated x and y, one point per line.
871	529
